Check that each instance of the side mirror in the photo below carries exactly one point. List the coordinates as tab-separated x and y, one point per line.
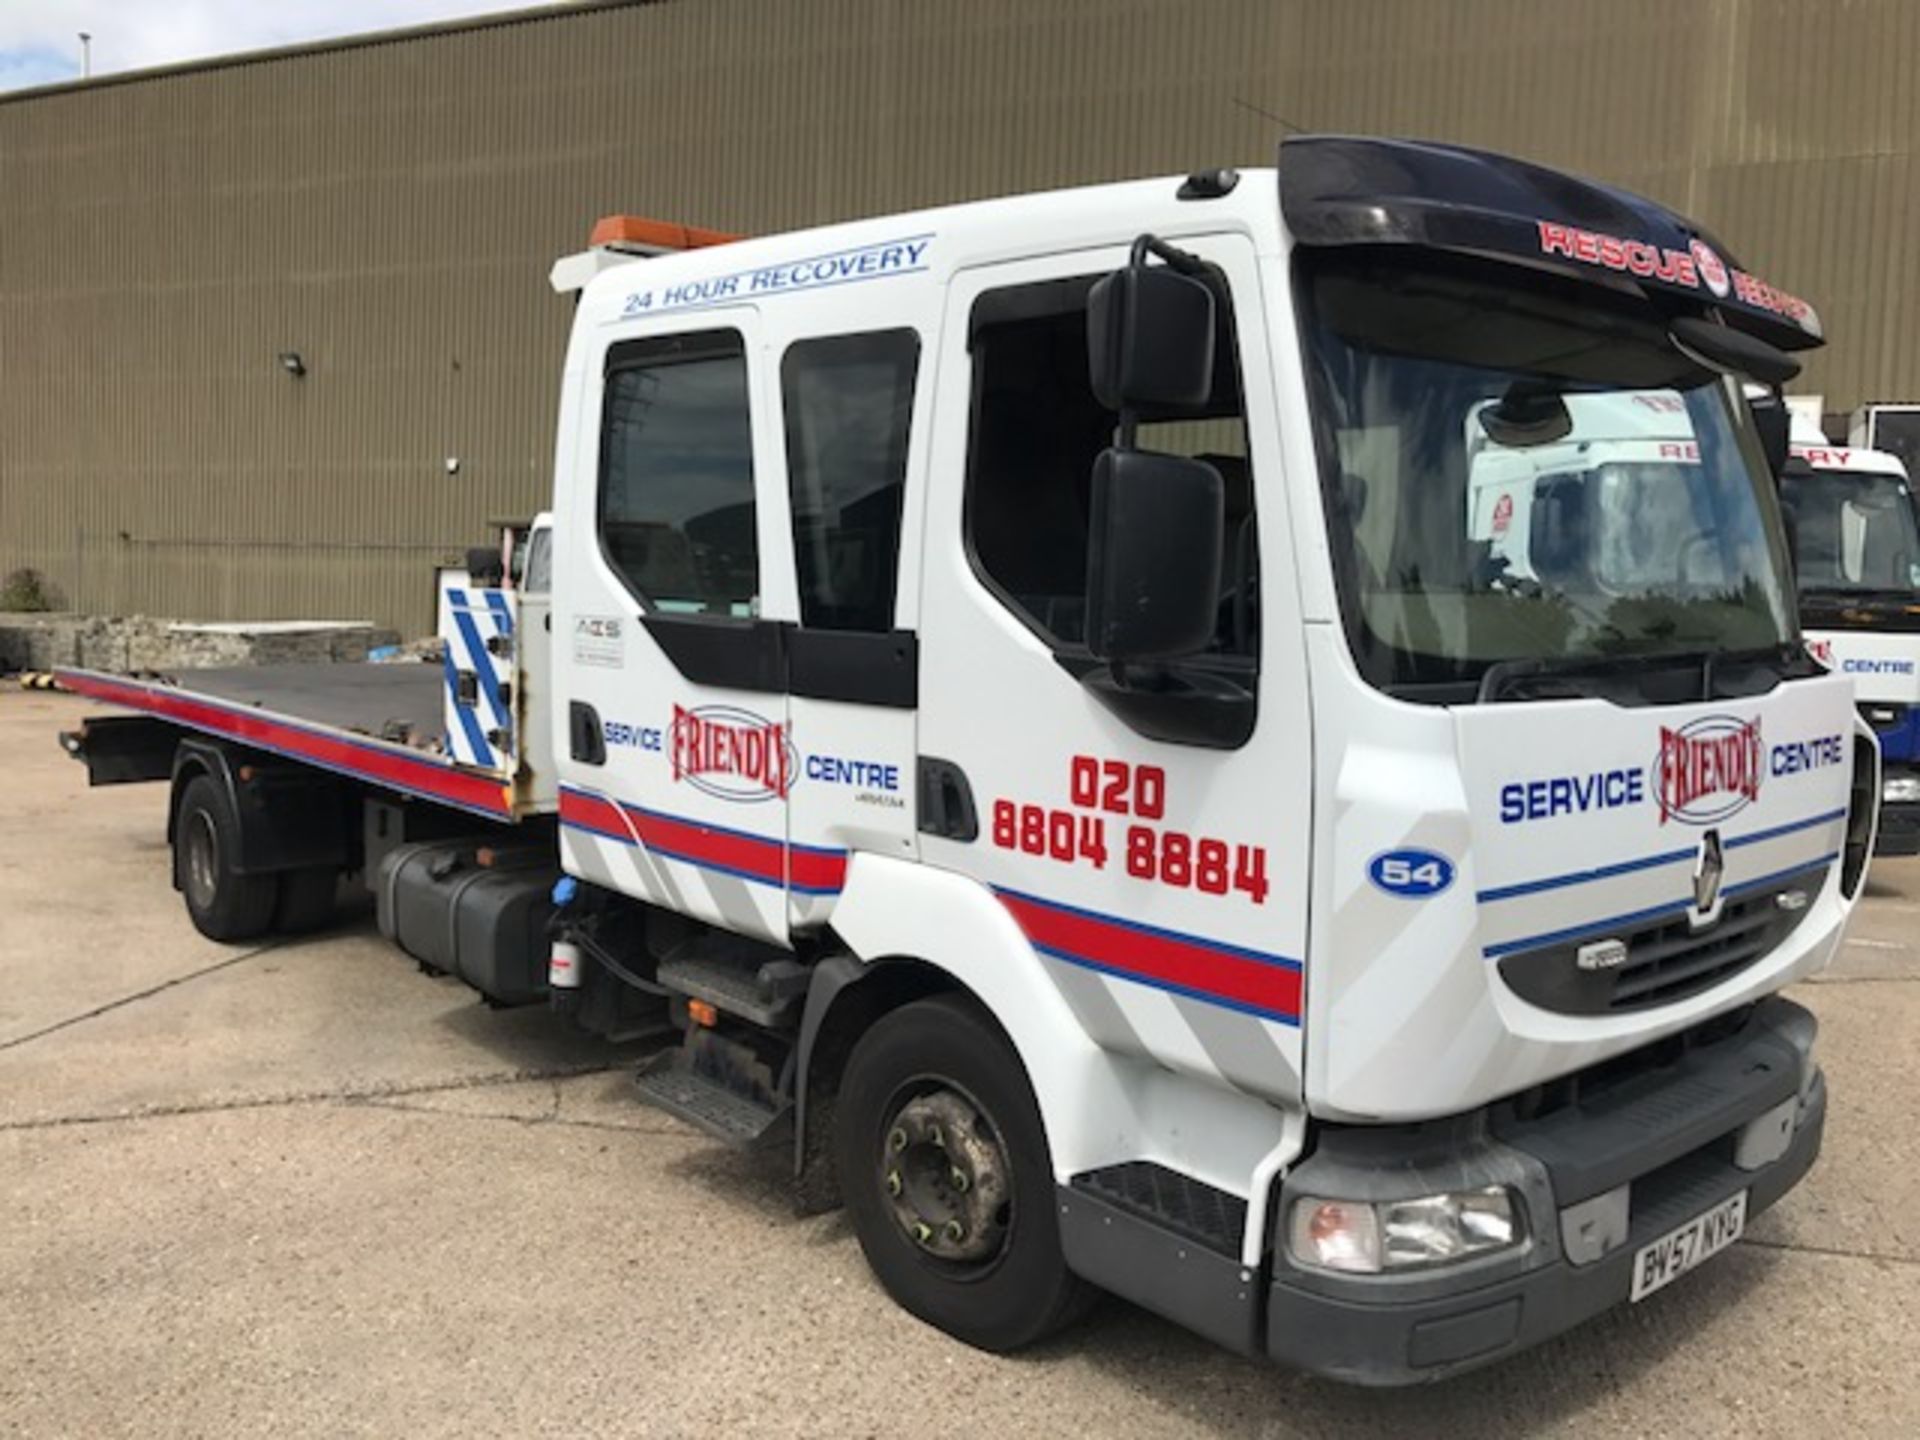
1150	338
484	565
1153	559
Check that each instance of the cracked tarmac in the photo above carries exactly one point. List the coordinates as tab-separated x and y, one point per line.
301	1188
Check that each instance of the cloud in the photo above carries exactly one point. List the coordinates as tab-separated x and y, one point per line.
35	65
39	39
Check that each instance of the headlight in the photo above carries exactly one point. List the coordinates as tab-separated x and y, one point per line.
1900	789
1363	1238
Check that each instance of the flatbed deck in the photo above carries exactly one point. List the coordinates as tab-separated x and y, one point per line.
378	723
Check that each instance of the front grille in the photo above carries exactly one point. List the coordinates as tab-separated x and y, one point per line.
1667	960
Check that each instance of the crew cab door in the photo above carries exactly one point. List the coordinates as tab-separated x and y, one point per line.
1159	869
673	572
854	460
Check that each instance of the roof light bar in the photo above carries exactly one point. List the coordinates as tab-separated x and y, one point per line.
632	232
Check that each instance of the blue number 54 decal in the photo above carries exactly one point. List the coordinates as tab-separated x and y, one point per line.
1411	874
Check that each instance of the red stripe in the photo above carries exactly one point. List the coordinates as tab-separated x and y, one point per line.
754	854
761	856
593	813
398	770
1190	965
817	870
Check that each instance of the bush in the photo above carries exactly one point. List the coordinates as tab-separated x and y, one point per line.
27	589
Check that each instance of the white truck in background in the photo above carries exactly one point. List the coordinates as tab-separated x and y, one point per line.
1852	514
1042	697
1850	518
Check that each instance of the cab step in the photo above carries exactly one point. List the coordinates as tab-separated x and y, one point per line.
1172	1201
712	1105
756	983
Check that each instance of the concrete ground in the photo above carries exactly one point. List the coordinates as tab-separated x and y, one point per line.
301	1188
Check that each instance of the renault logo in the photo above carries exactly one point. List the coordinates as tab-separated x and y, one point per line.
1708	868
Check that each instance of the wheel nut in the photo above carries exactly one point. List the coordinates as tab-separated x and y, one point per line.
893	1182
922	1231
898	1139
960	1180
955	1231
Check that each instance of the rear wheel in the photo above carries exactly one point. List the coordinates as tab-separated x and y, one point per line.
943	1164
222	903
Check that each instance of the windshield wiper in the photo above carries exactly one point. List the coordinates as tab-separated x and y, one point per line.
1505	675
1510	677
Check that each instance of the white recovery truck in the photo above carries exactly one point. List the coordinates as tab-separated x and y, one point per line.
1024	688
1857	569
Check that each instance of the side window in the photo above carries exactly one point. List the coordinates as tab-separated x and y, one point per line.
676	474
1036	431
848	401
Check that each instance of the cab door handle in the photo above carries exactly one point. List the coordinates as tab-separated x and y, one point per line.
946	801
586	739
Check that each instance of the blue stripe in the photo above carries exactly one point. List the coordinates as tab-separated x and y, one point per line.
1155	931
469	722
1787	829
1650	862
1778	875
1611	922
1169	987
1581	877
503	612
1634	917
477	653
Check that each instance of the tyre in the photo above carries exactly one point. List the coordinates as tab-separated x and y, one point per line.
307	899
943	1163
222	903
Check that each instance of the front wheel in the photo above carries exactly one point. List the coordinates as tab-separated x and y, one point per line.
943	1163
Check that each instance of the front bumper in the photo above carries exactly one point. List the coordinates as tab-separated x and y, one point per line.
1600	1177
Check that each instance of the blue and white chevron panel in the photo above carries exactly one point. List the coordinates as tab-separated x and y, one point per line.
476	631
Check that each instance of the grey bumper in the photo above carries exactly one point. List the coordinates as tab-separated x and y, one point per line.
1599	1178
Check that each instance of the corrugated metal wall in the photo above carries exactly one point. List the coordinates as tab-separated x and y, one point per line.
389	211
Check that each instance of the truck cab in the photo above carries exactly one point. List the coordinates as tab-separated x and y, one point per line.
1081	649
1857	572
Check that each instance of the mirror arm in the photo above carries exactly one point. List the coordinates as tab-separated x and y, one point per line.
1181	260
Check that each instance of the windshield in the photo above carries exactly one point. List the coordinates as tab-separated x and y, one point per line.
1852	531
1520	468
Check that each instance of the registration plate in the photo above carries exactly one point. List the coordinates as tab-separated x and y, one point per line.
1678	1251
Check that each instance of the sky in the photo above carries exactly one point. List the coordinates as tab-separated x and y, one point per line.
40	45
